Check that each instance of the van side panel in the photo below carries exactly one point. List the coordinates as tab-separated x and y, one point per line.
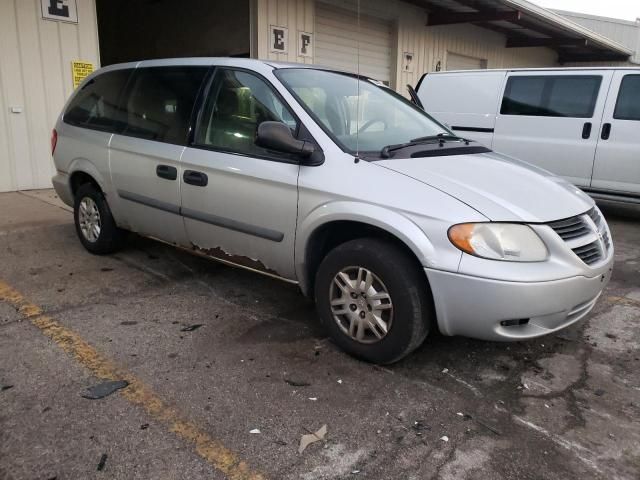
466	101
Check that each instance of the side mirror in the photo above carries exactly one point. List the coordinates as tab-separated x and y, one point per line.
277	136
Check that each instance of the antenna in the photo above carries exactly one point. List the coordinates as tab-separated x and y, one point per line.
358	92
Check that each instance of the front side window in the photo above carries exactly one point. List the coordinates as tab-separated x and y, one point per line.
238	102
95	106
628	103
160	103
551	96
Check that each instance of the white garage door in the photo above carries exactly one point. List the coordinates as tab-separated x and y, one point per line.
456	61
338	40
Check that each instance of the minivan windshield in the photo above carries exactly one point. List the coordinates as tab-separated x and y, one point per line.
358	114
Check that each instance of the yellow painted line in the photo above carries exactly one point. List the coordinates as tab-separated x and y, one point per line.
137	393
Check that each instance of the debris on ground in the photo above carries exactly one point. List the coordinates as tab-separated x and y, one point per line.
5	387
445	370
419	426
599	392
104	389
313	399
101	463
255	430
444	438
297	382
129	322
340	381
310	438
191	328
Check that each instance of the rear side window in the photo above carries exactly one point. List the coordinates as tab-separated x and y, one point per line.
96	104
160	101
551	96
628	103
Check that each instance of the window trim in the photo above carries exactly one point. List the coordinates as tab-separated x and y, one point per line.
326	130
615	108
276	157
110	128
546	92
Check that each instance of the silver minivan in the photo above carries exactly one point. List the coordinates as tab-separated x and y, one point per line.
392	223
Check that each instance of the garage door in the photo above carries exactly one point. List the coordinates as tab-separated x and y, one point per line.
338	40
456	61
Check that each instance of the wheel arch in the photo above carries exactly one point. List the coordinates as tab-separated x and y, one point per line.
329	226
83	171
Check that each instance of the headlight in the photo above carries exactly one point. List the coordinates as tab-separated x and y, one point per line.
499	241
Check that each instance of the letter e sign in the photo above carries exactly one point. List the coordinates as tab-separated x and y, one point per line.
60	10
279	39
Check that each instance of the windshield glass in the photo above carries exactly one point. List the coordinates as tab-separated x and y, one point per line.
359	115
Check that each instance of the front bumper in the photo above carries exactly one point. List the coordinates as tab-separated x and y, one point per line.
475	307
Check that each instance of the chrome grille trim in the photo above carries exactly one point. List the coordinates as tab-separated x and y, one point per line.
574	227
583	229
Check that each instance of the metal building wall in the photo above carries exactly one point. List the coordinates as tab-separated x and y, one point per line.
35	76
625	32
429	45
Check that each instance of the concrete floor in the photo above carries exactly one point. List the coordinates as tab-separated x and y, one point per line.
563	407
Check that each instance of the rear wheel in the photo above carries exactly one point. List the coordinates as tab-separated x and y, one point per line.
373	299
95	225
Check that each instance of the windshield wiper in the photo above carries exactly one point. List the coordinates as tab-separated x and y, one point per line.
439	138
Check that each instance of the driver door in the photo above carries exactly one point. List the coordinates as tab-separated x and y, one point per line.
239	200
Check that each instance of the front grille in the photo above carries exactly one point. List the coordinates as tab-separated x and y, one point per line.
590	253
571	228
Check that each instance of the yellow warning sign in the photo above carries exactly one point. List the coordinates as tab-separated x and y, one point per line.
80	70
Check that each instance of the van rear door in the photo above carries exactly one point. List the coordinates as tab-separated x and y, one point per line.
465	101
617	165
552	120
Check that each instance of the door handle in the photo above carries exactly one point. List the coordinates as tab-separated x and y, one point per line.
606	131
586	130
198	179
167	172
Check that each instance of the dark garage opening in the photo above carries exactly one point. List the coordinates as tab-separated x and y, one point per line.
143	29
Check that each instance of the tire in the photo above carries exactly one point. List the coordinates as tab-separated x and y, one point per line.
409	311
108	238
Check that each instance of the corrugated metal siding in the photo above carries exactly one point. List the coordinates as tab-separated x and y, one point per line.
431	44
428	44
35	74
342	43
296	15
622	31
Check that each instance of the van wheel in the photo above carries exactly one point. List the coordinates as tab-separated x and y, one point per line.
95	225
374	300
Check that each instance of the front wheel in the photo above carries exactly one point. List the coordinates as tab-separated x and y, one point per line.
374	300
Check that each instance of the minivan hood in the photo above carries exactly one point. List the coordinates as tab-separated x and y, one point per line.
501	188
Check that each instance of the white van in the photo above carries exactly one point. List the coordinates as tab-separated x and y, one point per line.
581	124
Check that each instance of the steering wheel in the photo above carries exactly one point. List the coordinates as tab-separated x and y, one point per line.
368	123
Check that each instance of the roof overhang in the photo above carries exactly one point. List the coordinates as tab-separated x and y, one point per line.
527	25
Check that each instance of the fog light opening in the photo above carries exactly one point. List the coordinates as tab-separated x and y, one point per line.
515	322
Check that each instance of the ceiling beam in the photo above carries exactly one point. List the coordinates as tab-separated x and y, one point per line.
522	41
450	18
